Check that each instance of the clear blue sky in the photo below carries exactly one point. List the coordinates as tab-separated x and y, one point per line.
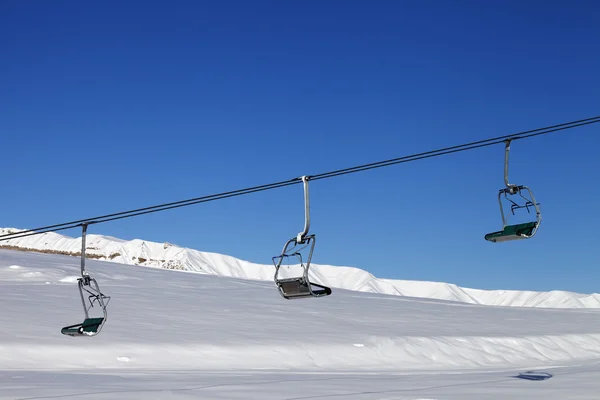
112	105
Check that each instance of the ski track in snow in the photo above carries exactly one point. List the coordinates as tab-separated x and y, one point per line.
566	383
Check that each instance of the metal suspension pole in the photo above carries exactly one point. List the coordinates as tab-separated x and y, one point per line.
84	273
511	188
301	235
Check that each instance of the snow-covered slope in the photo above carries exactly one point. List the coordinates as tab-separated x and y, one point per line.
173	335
169	256
204	321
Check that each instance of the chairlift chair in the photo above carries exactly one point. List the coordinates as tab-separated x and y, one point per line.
91	326
299	287
514	195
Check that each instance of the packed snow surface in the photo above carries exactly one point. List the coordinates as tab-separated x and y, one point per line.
169	256
182	335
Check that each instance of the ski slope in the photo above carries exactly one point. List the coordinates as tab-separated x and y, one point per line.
170	256
183	335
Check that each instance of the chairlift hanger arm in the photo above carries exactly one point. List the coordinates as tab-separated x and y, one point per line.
510	187
301	235
84	226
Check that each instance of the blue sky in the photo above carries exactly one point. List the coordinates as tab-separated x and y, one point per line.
115	105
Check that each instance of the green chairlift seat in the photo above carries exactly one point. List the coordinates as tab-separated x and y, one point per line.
89	327
513	232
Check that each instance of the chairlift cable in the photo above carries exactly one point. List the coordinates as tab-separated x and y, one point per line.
330	174
457	148
145	210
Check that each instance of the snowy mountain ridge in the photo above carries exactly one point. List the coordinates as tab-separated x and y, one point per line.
169	256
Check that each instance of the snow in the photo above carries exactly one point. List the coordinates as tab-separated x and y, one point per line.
70	279
173	335
170	256
566	383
